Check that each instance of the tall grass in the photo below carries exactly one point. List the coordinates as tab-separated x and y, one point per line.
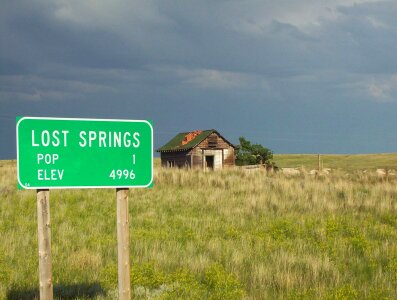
231	234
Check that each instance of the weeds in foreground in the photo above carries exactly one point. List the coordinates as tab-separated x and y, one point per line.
231	234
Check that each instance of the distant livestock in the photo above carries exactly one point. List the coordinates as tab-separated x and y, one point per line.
385	172
290	171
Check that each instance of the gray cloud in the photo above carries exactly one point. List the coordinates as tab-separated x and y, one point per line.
292	66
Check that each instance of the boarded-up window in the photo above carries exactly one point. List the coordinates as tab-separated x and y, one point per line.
212	141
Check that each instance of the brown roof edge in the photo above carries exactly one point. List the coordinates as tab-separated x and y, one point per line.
196	144
235	147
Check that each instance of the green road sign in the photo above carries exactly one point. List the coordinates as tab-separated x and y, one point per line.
84	153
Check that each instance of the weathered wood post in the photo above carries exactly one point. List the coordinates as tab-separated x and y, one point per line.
44	239
123	248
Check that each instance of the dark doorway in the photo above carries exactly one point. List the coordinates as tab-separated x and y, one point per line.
209	162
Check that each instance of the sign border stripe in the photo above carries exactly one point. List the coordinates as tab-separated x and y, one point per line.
84	119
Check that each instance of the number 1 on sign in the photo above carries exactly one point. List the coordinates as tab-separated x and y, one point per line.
133	159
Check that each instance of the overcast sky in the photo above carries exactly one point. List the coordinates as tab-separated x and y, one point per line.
307	76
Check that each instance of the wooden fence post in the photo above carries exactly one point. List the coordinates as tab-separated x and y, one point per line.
44	239
123	248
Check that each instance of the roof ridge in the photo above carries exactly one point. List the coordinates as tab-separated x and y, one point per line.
196	130
176	143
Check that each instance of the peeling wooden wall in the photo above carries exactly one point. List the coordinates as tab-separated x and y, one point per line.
214	145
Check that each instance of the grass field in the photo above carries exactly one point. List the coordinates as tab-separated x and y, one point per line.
231	234
347	162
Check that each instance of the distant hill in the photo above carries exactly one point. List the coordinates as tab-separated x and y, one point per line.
338	161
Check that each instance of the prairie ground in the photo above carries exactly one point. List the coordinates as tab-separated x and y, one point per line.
347	162
232	234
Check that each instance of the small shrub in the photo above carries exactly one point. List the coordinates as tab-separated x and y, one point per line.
392	269
283	229
359	243
184	285
222	285
345	292
147	276
109	276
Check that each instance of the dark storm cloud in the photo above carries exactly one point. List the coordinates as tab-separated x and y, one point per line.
32	36
300	76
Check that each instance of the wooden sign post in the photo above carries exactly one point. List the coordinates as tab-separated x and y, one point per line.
44	239
123	244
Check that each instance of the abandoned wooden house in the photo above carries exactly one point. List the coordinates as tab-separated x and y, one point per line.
205	149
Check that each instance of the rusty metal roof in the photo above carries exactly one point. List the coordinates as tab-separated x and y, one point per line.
187	140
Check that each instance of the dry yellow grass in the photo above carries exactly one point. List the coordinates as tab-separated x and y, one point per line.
349	162
230	234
